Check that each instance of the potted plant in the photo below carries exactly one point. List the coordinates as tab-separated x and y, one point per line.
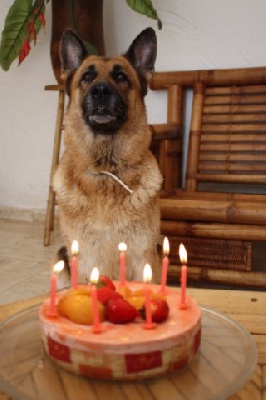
25	18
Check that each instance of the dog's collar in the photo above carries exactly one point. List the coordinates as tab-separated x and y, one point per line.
103	172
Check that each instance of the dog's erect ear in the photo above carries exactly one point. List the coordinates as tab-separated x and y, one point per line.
142	54
72	52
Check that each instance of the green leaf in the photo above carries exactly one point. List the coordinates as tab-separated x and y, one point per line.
90	48
16	29
145	7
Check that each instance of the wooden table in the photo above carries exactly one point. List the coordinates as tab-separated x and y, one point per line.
246	307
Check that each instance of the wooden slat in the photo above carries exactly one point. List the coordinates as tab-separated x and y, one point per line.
240	156
237	109
235	137
234	128
220	211
228	277
229	167
235	99
233	118
214	196
229	90
234	231
165	131
160	80
232	148
258	179
54	87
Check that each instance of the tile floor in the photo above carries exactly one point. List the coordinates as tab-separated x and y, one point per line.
25	264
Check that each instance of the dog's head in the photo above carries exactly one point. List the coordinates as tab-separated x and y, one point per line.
107	87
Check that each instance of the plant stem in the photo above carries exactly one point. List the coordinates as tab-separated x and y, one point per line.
71	14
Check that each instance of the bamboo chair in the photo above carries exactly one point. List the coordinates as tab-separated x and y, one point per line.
221	212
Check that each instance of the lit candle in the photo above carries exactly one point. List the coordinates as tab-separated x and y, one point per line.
165	263
57	268
147	276
122	247
183	258
94	294
74	266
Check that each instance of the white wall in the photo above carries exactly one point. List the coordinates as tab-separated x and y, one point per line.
197	34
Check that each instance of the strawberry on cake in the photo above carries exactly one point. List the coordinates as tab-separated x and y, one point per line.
123	349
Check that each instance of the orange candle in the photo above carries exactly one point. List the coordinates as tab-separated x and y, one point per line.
183	258
147	276
96	328
74	266
122	247
165	263
57	268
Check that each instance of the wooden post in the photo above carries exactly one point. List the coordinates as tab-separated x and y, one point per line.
173	148
194	138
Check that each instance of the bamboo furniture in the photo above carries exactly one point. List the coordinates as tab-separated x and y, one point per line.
220	214
245	307
59	127
221	211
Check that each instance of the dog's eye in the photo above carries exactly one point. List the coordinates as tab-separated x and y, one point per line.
89	75
120	76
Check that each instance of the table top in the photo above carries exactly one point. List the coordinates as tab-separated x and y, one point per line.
245	307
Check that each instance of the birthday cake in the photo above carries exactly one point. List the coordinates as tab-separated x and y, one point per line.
123	347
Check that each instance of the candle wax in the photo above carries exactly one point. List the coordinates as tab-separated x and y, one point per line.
164	273
96	322
183	303
52	309
122	257
74	271
149	324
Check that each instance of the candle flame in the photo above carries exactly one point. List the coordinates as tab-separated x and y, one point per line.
59	266
182	254
122	246
94	275
75	247
147	273
166	247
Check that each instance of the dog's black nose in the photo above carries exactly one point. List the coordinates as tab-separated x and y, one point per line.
101	90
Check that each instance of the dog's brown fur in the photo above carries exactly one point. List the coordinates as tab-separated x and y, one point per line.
96	209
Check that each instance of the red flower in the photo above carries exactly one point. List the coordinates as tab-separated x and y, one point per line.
58	351
24	50
42	19
143	362
32	30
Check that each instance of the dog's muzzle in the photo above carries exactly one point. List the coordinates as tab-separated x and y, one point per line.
103	108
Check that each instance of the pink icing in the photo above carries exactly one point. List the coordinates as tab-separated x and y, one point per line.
128	338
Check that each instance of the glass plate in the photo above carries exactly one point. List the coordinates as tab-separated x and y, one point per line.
224	364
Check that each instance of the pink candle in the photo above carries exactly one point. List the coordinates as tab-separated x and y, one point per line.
74	266
122	247
57	268
147	275
183	258
96	328
165	263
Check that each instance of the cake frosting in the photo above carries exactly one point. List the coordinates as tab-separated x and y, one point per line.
126	351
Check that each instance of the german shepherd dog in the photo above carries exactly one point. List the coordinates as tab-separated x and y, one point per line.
107	181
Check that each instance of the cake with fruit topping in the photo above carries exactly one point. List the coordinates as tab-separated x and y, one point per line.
123	349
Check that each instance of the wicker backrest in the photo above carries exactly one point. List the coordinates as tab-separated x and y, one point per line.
227	143
228	136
